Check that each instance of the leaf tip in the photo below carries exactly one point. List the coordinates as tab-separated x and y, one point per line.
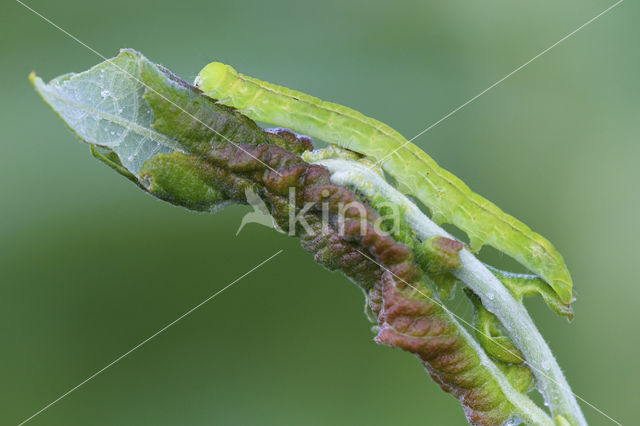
34	79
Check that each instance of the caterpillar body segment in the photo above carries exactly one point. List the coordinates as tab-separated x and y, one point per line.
449	199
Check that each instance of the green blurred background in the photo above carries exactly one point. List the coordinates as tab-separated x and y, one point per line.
90	266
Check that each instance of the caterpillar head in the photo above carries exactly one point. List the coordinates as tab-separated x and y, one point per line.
215	79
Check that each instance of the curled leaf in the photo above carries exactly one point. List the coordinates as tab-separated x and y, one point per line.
521	285
178	179
491	334
291	141
495	341
439	254
112	160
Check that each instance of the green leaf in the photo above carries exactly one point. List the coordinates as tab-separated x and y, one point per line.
195	122
494	340
104	106
521	285
439	254
151	126
112	160
138	109
179	179
491	334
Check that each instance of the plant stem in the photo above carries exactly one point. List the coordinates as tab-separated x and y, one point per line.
495	296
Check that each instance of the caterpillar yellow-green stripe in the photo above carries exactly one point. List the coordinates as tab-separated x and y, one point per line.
417	174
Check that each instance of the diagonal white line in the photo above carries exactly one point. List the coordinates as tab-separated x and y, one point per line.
500	81
144	84
458	317
147	339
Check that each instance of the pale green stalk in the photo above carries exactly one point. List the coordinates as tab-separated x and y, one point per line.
495	296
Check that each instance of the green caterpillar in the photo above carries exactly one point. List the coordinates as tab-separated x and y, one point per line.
417	174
